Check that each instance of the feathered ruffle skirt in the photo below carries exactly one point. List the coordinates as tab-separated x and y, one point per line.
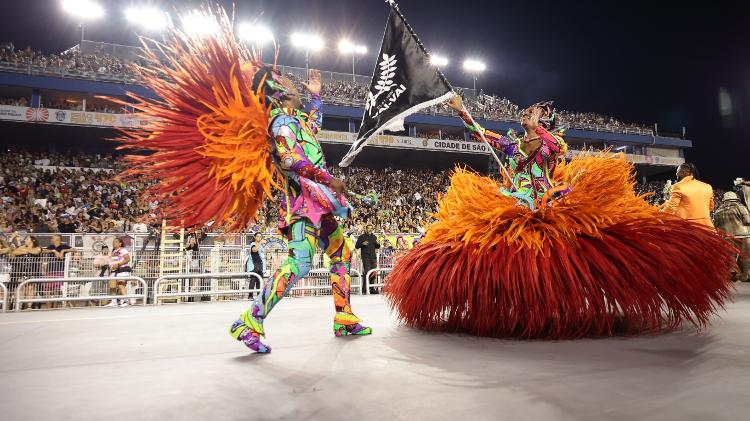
601	261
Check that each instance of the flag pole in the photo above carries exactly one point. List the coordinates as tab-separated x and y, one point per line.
492	150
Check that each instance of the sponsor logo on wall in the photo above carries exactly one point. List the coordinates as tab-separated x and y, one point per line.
37	114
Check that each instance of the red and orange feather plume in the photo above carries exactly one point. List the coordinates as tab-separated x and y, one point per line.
598	262
210	156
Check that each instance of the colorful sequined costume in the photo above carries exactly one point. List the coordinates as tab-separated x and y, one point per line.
597	261
531	178
307	218
220	142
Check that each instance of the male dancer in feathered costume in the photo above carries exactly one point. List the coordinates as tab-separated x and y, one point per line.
311	199
227	130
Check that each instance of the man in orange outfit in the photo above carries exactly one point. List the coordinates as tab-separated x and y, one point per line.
690	199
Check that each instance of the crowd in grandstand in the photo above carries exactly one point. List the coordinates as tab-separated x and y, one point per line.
73	105
80	195
17	102
345	92
71	60
437	134
85	199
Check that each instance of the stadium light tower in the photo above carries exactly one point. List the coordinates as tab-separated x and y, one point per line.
307	42
254	33
83	10
148	18
474	66
199	24
438	60
347	47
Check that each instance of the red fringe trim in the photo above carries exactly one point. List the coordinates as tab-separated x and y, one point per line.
641	275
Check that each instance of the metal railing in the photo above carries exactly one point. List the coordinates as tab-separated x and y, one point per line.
4	301
378	285
185	289
82	289
325	284
65	294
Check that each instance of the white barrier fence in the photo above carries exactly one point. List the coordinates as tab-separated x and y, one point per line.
218	286
147	265
318	282
377	285
236	286
4	298
59	291
97	291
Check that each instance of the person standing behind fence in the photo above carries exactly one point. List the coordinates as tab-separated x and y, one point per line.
154	234
386	254
195	262
192	251
368	245
26	264
5	250
256	262
102	261
55	265
120	266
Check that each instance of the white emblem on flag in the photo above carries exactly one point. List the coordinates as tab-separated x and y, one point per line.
385	85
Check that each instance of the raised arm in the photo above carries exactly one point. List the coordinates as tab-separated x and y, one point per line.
315	115
496	140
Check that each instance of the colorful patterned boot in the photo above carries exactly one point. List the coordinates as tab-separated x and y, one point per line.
248	329
356	329
346	323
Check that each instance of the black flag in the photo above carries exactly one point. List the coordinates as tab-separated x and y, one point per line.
404	82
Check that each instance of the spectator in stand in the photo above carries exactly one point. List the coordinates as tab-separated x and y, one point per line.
5	247
367	244
401	244
119	267
66	226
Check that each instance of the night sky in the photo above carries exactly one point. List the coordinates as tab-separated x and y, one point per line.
659	61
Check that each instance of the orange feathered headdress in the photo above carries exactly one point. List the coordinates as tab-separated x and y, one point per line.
210	154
